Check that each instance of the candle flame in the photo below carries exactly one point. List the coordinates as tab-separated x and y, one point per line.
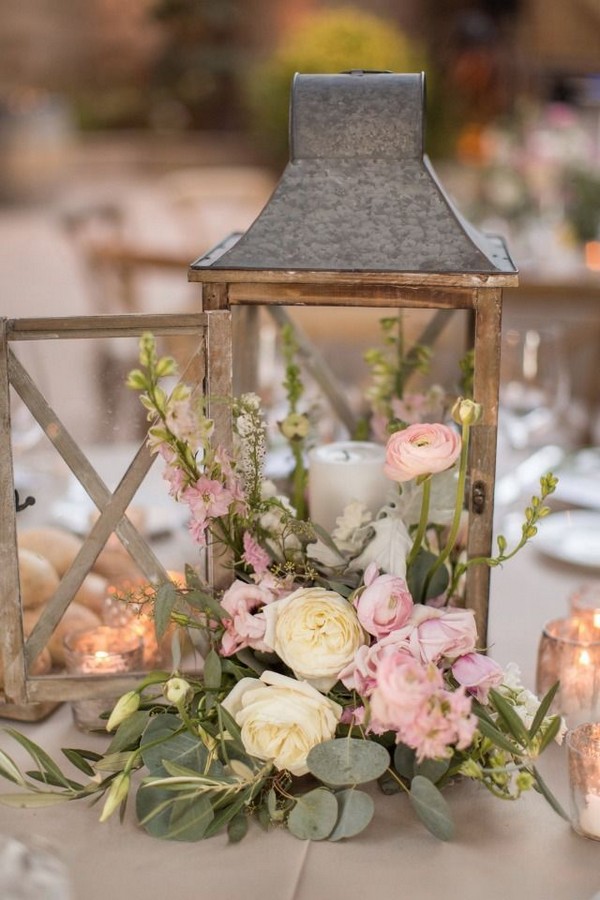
101	654
584	658
597	619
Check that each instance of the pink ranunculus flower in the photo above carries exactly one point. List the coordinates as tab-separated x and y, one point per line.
246	625
441	633
385	604
477	673
360	674
421	449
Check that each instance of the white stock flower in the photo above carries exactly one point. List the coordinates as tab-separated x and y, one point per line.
281	719
315	632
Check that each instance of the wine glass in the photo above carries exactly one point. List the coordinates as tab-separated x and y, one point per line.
534	385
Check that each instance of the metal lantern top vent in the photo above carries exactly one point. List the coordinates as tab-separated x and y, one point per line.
358	193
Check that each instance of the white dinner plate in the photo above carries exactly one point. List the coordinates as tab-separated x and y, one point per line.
156	521
579	478
572	537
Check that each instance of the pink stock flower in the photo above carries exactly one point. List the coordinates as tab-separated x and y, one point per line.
360	674
246	625
411	700
254	555
207	498
477	673
421	449
385	604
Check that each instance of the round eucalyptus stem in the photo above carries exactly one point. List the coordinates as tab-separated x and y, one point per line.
422	527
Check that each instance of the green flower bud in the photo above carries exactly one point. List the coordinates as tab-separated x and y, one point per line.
295	426
124	707
466	412
470	769
177	690
524	781
117	792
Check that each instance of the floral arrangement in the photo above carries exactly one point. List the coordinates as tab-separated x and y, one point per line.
330	661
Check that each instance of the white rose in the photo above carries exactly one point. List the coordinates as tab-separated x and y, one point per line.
315	632
282	719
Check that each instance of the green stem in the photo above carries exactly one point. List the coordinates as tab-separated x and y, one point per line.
299	480
422	527
458	508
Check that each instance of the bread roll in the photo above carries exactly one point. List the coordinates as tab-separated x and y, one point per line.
60	547
92	593
38	578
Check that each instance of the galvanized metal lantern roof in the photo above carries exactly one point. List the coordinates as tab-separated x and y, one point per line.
358	193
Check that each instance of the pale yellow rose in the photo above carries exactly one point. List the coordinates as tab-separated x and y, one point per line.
281	719
315	632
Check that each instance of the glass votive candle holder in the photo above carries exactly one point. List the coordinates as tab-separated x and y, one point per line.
118	612
584	603
569	652
583	749
101	651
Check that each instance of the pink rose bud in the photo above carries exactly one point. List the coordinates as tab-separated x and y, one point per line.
421	449
385	605
478	673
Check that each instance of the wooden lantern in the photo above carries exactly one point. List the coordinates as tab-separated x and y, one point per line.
359	219
25	695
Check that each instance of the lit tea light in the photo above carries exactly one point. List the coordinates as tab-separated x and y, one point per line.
569	652
583	747
101	651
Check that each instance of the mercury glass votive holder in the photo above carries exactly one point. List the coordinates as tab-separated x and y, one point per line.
583	750
569	652
120	613
101	651
584	603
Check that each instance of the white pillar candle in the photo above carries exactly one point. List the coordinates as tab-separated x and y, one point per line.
344	471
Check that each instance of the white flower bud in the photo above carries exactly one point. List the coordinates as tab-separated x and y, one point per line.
176	690
124	707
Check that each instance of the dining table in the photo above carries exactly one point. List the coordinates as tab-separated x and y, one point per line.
501	849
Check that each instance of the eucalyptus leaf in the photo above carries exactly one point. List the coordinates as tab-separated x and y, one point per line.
345	761
129	731
314	815
165	739
404	760
237	828
356	810
163	815
432	769
230	807
418	573
431	808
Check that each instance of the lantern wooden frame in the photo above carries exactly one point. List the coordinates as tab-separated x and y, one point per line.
481	295
26	696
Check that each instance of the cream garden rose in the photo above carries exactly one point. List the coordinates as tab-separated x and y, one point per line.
315	632
282	719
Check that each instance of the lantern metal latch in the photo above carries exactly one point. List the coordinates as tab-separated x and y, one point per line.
478	497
